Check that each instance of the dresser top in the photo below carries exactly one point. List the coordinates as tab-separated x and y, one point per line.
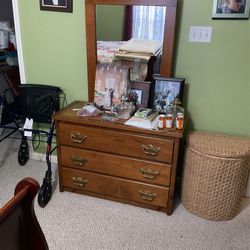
69	115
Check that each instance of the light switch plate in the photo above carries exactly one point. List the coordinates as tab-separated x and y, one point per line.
200	34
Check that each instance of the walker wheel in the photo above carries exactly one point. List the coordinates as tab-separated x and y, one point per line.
23	153
44	193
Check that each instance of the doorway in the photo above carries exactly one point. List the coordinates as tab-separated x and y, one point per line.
9	15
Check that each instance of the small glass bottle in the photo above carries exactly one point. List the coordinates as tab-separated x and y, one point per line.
162	122
179	121
169	121
176	107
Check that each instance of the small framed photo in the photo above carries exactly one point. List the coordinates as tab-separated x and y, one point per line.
231	9
57	5
166	90
141	89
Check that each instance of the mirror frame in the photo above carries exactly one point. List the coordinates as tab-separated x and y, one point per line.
168	41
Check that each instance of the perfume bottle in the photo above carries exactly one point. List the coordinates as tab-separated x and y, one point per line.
177	112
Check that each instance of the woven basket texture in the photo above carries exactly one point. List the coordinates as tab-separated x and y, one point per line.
213	186
220	145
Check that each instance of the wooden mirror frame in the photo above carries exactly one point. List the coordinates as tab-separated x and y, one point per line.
168	40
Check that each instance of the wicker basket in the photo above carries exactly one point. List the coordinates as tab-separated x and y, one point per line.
215	175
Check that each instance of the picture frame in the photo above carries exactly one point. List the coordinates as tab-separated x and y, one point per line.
141	88
231	9
57	5
166	90
111	85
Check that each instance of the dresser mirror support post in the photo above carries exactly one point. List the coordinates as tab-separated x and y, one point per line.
166	64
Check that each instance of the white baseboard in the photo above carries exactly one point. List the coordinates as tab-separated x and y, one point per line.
42	157
39	156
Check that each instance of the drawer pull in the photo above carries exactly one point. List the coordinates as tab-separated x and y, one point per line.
79	181
149	173
150	150
77	137
146	195
78	160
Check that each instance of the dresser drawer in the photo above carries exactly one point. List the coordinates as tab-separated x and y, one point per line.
115	187
151	148
141	170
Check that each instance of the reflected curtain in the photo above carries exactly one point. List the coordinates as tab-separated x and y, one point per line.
148	22
128	23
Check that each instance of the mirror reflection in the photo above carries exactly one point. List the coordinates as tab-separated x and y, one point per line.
131	36
119	22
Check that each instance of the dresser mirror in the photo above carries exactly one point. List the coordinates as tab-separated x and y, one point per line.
93	27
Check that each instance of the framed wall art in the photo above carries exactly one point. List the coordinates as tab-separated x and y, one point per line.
57	5
166	90
141	89
231	9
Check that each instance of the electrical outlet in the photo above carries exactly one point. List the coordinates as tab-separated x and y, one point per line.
200	34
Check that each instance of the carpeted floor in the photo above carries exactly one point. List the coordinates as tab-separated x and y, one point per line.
71	221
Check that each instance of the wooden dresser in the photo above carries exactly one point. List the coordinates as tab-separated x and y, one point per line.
116	162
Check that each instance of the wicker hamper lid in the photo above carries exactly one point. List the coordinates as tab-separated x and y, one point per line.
219	145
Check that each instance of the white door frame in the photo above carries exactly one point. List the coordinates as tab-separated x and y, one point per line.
18	40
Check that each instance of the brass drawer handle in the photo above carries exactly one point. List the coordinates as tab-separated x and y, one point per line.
79	181
149	173
150	150
78	160
77	137
146	195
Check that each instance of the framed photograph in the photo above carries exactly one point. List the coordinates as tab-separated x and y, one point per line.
111	84
56	5
231	9
141	88
166	90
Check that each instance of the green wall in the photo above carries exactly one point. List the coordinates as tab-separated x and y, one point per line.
106	28
217	74
54	47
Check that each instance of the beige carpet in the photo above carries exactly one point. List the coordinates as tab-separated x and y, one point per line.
71	221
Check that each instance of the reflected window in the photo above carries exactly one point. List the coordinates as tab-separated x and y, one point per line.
148	22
